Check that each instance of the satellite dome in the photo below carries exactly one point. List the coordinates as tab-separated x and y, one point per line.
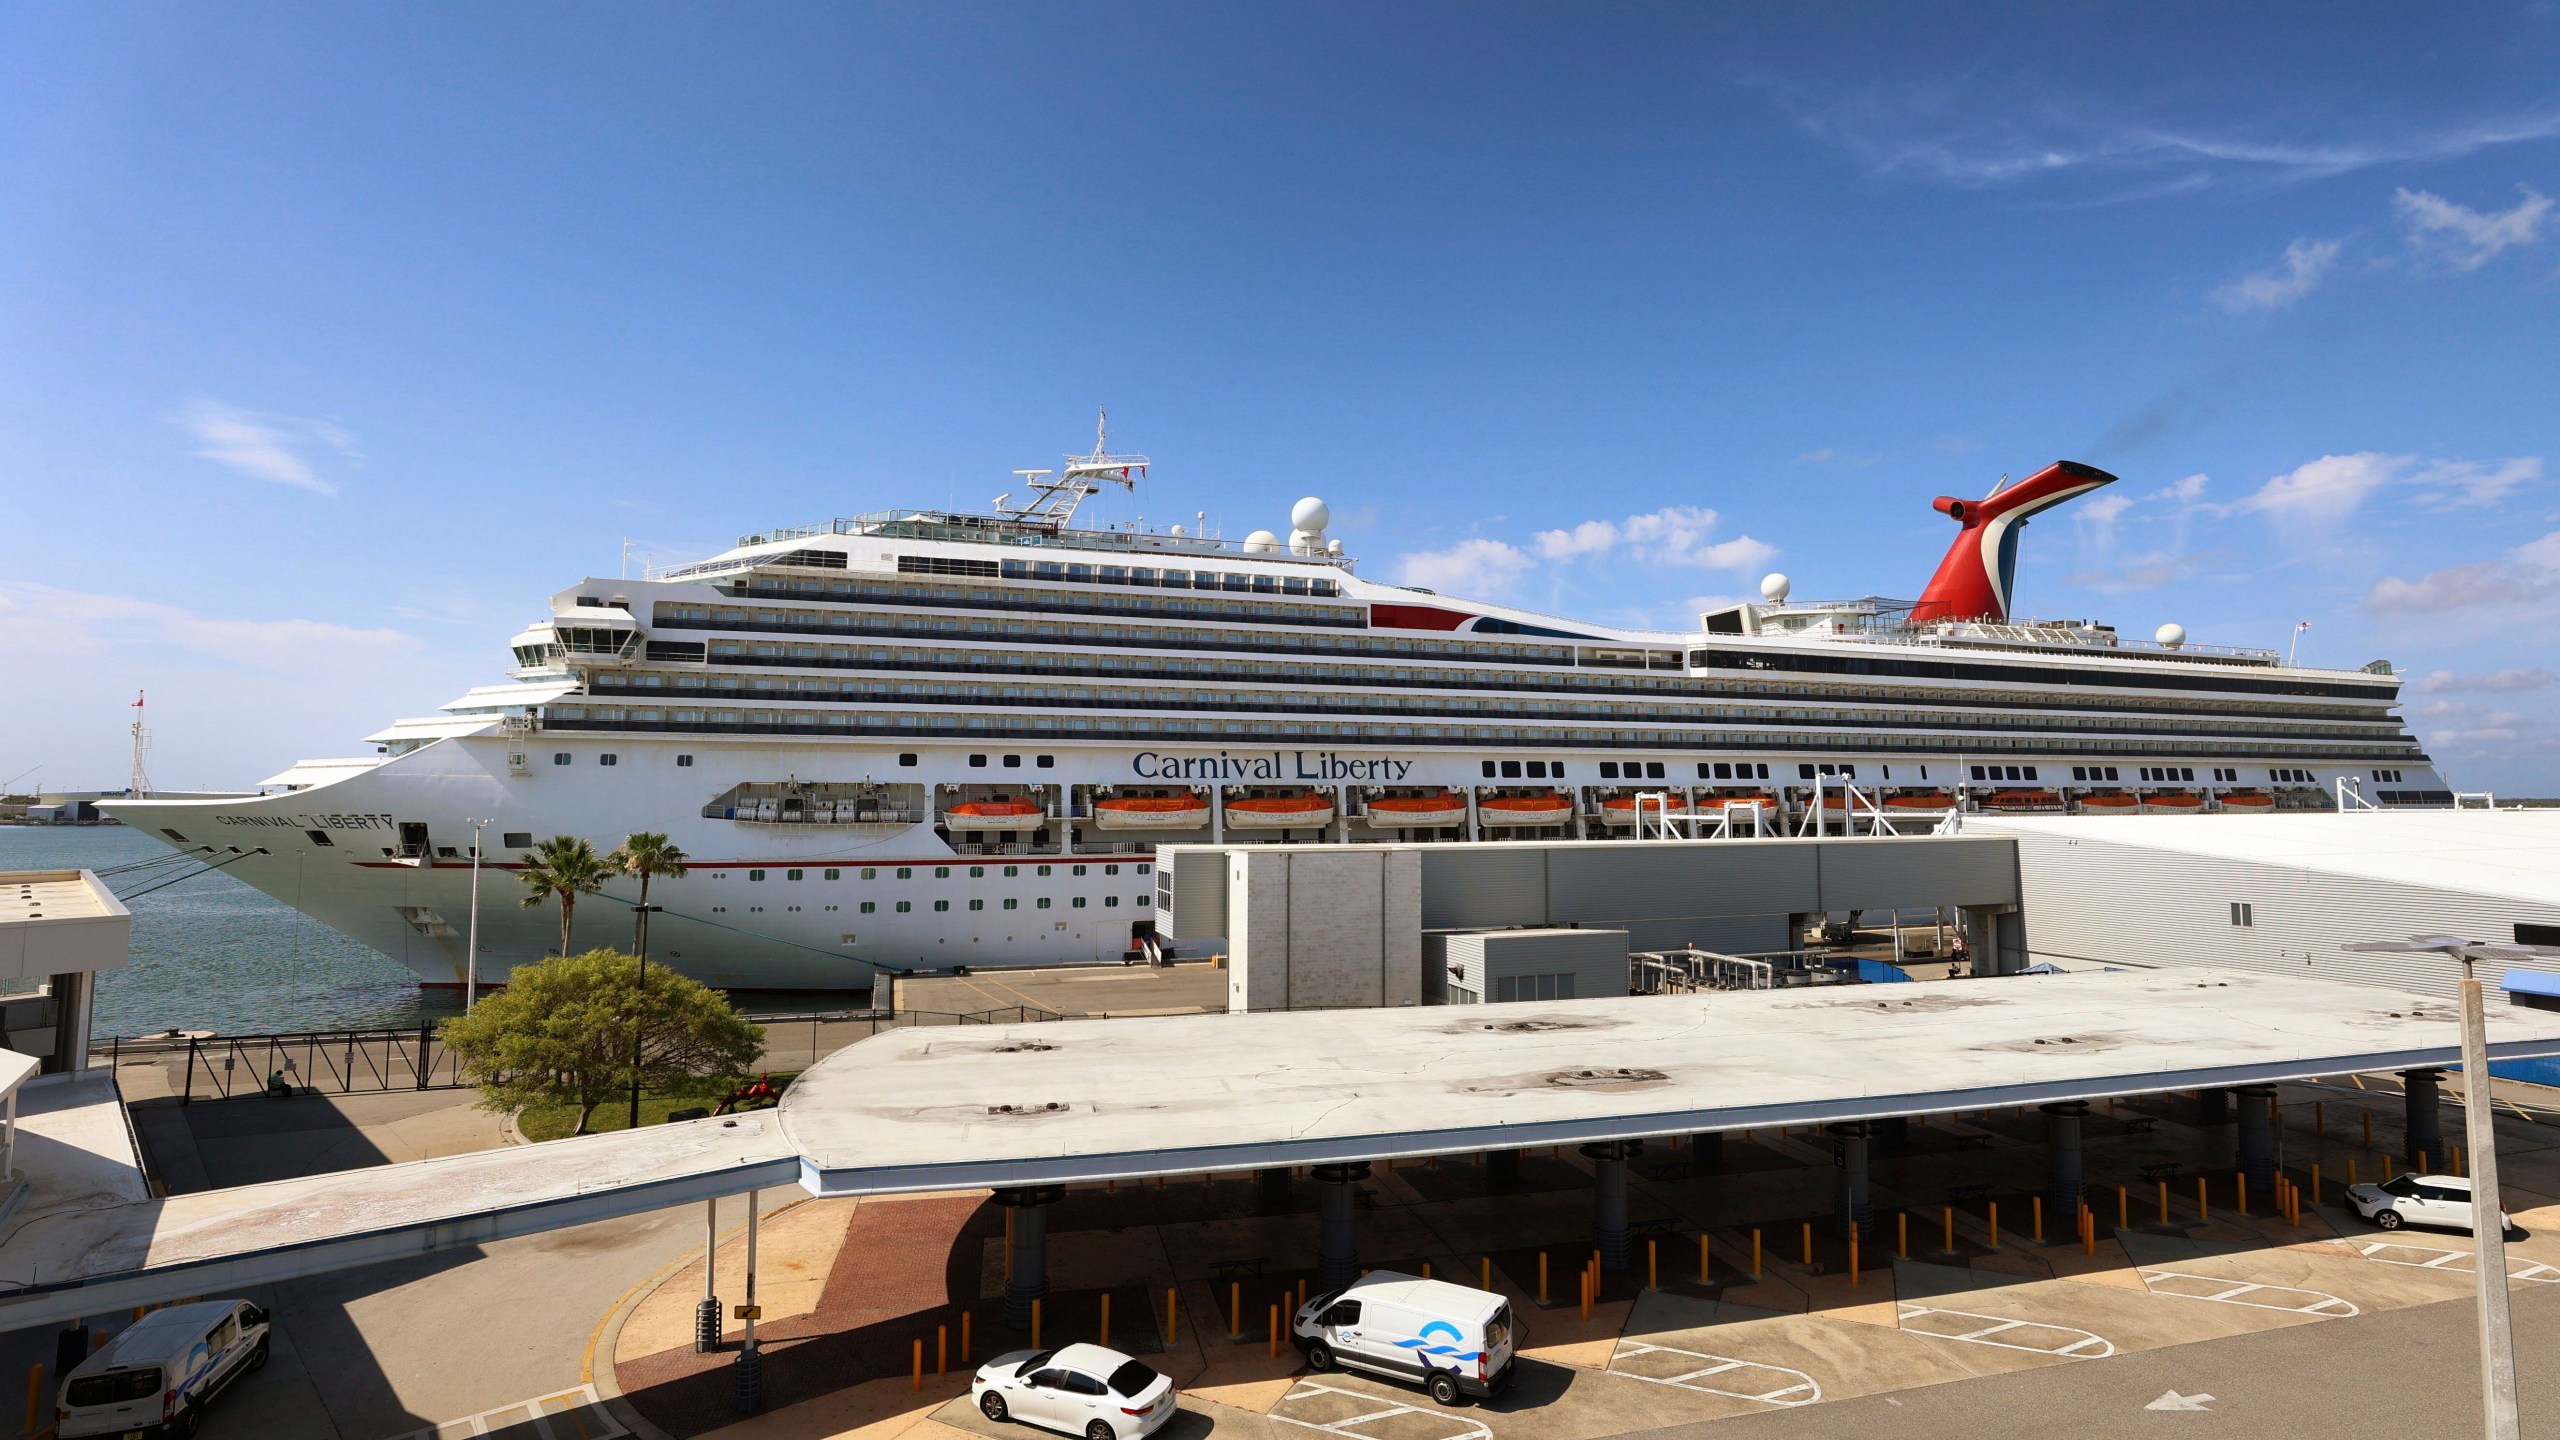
1306	542
1774	588
1177	532
1333	547
2171	636
1310	514
1262	542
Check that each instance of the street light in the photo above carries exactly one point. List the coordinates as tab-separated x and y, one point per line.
471	961
2497	1336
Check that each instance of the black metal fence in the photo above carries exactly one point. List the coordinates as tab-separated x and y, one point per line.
367	1062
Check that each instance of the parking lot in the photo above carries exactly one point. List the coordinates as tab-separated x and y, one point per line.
1664	1346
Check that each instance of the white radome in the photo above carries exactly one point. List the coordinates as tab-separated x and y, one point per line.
2171	635
1333	547
1306	542
1774	588
1310	514
1262	542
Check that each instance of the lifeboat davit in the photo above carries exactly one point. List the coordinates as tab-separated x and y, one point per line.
1417	812
998	813
1510	810
1920	800
2248	800
1280	812
1714	804
1186	811
2022	800
2114	803
2173	801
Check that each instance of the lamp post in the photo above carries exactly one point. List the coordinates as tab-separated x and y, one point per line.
471	959
2489	1236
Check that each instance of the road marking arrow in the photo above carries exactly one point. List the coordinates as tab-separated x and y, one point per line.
2172	1400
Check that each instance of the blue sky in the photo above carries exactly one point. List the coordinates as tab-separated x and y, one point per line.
333	339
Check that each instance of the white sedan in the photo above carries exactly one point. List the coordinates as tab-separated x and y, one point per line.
2419	1200
1081	1390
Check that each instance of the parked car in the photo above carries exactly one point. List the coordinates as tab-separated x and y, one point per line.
2419	1200
154	1377
1076	1389
1453	1340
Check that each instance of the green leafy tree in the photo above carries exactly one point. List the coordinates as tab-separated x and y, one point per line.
562	868
563	1032
644	855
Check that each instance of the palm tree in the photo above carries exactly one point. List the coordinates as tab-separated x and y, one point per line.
645	855
562	868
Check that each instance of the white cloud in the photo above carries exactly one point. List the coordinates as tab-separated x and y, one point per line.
1829	456
1479	567
2447	682
42	619
1673	535
2326	491
2305	263
2529	576
1591	537
264	447
2464	238
2184	492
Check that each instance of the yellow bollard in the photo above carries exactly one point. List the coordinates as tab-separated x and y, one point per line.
2457	1159
1586	1295
1951	1229
1302	1287
2240	1191
1902	1236
1652	1265
1106	1320
1808	1244
2204	1211
1542	1277
1706	1271
1235	1310
1995	1224
2164	1202
1172	1314
964	1337
1853	1255
2422	1162
916	1381
2351	1170
1426	1269
35	1394
2315	1183
1275	1332
1484	1273
1755	1252
941	1351
1035	1324
2124	1208
2036	1203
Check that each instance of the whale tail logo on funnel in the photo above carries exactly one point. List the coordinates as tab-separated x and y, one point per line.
1973	582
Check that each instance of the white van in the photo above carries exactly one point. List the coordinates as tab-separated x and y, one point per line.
1453	1339
154	1377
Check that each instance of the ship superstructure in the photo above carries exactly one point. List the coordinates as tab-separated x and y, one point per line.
921	739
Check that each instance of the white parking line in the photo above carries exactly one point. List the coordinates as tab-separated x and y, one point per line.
2518	1268
1466	1429
2079	1344
577	1414
1798	1387
2180	1285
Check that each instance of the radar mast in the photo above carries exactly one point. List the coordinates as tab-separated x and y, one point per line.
1055	494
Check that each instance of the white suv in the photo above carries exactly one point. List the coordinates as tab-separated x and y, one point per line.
2419	1200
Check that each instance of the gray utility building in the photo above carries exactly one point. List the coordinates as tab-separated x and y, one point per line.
1322	926
2284	894
1473	967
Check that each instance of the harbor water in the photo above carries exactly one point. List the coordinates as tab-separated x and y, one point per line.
210	953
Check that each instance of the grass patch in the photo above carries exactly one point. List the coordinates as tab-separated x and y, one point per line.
554	1122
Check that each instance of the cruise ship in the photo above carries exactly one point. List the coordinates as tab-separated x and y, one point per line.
916	740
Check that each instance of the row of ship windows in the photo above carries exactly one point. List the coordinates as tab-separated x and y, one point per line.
1074	902
1276	610
1046	667
1283	703
943	872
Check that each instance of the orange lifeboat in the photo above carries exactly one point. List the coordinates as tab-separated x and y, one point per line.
2110	803
2248	800
1186	810
1280	812
1621	809
1511	810
1920	800
2173	801
2022	800
1715	804
1417	812
997	812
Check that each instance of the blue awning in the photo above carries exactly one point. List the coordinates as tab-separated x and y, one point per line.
2532	982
